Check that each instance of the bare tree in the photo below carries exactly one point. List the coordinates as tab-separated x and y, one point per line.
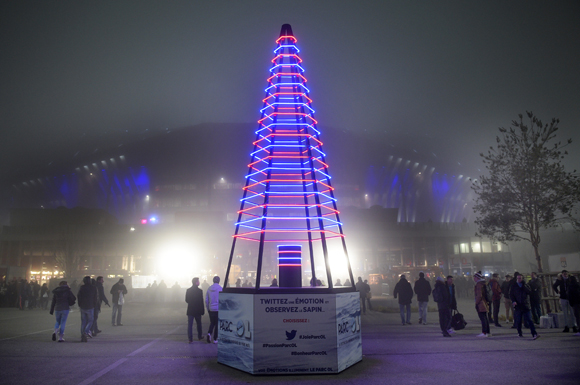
69	250
526	188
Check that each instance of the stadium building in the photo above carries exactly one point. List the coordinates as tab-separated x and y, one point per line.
403	208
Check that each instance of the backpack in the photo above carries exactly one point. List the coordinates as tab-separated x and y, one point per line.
488	292
437	294
71	299
457	321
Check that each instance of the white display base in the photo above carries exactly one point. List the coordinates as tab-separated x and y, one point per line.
289	333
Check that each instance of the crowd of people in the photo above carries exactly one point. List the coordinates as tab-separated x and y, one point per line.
90	297
520	298
25	295
521	301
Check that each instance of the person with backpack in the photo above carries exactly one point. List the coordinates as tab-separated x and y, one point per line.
404	291
481	304
62	300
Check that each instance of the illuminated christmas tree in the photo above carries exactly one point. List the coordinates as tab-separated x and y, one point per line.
288	204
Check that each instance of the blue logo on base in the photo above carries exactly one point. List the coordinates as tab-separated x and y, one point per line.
290	335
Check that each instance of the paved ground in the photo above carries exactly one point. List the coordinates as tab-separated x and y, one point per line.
152	348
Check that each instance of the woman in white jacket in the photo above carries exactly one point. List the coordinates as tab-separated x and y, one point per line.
212	303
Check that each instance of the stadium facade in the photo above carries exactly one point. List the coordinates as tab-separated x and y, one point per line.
402	209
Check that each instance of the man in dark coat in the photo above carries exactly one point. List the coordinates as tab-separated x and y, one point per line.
520	296
195	308
61	300
87	299
119	291
496	298
536	298
22	294
362	290
574	298
369	294
100	299
442	295
404	291
423	290
505	290
561	288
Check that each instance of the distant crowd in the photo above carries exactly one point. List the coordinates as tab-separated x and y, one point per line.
521	299
24	294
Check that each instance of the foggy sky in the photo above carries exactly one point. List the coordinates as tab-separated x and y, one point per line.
446	73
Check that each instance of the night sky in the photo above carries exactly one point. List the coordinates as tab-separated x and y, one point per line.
443	75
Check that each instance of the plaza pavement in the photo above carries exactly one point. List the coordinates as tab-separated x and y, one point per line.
152	348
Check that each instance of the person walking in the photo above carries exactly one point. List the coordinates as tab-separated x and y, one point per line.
520	296
481	305
87	298
404	291
561	287
496	298
423	290
195	309
119	291
505	290
62	298
536	298
212	304
100	299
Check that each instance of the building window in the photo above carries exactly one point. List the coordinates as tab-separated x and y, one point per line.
486	247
